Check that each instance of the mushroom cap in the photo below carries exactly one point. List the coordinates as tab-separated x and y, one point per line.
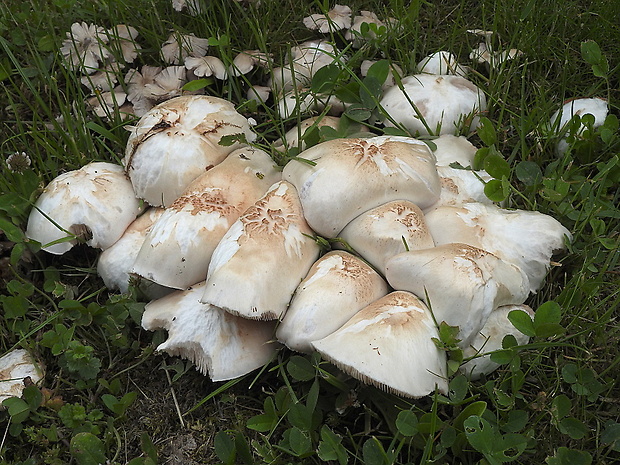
351	176
461	284
337	286
389	344
448	104
259	262
459	186
115	263
96	202
450	149
526	239
178	247
15	367
596	107
176	141
381	233
490	338
441	62
218	343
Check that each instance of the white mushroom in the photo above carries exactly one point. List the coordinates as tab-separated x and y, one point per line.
351	176
459	186
526	239
597	107
389	344
454	149
177	250
430	104
461	284
177	141
94	204
257	265
337	286
441	62
336	19
218	343
388	230
490	339
15	367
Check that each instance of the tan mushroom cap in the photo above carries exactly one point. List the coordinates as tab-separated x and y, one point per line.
526	239
337	286
389	344
490	339
218	343
15	367
95	203
176	141
382	232
177	250
461	284
259	262
448	104
351	176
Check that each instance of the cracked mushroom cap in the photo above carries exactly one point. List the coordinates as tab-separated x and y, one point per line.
178	247
351	176
218	343
259	262
337	286
526	239
176	141
382	232
490	338
460	186
447	104
389	344
95	203
461	284
15	367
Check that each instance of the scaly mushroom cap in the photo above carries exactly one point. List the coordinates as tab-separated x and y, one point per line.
15	367
218	343
389	344
382	232
490	339
95	203
351	176
115	263
448	104
337	286
178	247
460	186
177	141
259	262
461	284
526	239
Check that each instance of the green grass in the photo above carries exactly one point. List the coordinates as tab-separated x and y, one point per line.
106	391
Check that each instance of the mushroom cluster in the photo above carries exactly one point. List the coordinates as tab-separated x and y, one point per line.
228	248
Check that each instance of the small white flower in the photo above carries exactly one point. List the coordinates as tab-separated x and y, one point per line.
84	47
167	84
336	19
180	46
207	66
245	61
18	162
123	38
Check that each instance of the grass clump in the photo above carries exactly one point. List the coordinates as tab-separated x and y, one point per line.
107	397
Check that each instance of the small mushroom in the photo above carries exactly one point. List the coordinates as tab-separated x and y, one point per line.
351	176
337	286
16	367
441	62
218	343
490	339
94	204
389	344
597	107
461	284
259	262
430	104
176	141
